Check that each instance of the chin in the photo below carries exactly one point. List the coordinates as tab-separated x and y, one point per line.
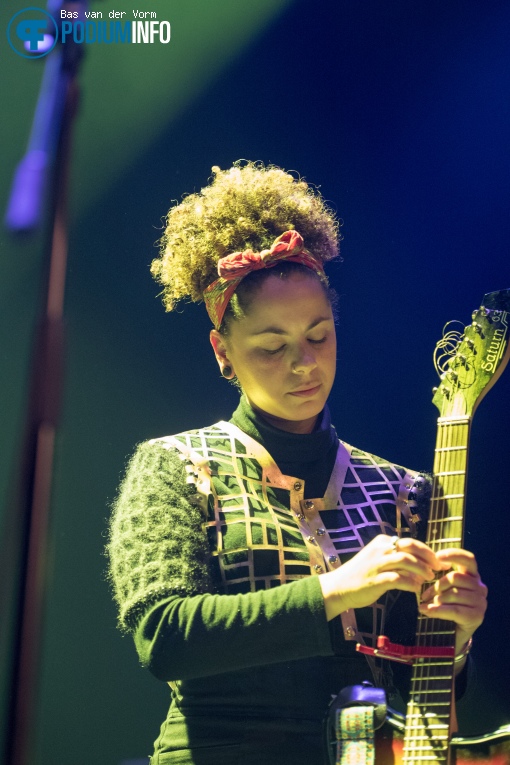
305	411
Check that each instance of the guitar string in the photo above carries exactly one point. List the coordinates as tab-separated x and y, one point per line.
415	727
452	459
413	738
450	435
423	673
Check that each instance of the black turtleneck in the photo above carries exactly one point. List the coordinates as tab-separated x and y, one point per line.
309	456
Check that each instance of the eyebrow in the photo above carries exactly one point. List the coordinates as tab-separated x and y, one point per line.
279	331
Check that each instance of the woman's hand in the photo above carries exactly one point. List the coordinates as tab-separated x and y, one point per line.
378	567
459	596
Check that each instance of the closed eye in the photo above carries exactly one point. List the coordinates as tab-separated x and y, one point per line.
272	353
277	350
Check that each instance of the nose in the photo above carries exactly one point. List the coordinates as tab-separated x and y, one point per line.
305	361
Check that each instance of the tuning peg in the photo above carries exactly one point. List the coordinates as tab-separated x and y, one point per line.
482	313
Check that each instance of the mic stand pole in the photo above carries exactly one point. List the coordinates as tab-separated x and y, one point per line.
31	527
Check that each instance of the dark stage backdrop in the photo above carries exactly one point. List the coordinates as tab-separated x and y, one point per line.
401	113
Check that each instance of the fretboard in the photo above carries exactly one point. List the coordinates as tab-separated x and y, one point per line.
428	719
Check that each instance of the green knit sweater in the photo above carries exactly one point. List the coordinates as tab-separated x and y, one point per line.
253	672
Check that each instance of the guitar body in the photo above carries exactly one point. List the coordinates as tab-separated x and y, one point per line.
486	749
489	749
389	749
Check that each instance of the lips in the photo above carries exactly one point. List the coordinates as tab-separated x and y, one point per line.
309	390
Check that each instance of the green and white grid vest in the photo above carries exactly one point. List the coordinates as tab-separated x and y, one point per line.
263	533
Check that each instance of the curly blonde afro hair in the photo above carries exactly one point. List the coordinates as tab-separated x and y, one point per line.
247	206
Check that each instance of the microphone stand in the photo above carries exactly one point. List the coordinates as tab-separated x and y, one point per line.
26	529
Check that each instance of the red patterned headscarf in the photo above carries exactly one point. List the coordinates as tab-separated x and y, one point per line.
233	268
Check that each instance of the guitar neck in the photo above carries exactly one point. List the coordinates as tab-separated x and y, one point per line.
469	364
428	726
446	522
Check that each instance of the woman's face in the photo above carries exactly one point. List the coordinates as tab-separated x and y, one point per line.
284	351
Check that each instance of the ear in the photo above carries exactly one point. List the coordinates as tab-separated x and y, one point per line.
220	347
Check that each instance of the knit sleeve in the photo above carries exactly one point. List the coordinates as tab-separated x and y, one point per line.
157	546
159	556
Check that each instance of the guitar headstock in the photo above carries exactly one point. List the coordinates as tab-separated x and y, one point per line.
470	362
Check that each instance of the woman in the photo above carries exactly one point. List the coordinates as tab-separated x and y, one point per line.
249	557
